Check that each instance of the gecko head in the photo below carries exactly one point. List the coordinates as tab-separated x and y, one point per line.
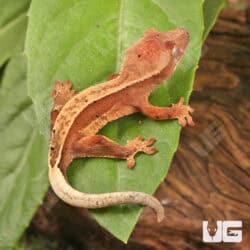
172	43
156	51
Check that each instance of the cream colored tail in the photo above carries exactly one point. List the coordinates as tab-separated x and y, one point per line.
75	198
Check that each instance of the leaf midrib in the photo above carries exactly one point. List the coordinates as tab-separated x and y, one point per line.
118	60
119	40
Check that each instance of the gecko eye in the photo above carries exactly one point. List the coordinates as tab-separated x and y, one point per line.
169	45
175	51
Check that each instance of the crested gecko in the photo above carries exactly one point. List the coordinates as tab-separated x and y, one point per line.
77	117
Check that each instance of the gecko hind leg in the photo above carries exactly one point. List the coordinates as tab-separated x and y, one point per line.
101	146
61	93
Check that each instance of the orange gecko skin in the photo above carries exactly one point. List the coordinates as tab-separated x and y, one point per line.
77	117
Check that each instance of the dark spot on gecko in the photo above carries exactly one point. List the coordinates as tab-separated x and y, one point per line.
157	117
139	56
52	148
97	115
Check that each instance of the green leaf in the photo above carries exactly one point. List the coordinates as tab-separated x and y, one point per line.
211	10
13	23
84	41
23	164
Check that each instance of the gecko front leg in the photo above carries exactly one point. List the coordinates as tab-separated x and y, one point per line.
176	111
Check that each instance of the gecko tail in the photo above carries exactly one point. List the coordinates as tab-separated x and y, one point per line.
78	199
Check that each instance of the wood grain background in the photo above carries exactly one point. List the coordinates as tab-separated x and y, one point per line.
209	177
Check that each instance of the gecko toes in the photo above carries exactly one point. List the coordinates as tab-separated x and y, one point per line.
131	161
139	145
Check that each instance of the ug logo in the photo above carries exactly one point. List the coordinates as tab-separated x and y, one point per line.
223	231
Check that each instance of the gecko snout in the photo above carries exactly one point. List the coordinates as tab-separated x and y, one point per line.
177	41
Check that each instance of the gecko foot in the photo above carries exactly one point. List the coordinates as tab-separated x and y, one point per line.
61	93
182	113
139	145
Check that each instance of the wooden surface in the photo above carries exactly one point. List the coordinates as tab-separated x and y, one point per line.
209	177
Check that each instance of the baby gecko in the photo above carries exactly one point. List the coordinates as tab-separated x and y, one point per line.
77	117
